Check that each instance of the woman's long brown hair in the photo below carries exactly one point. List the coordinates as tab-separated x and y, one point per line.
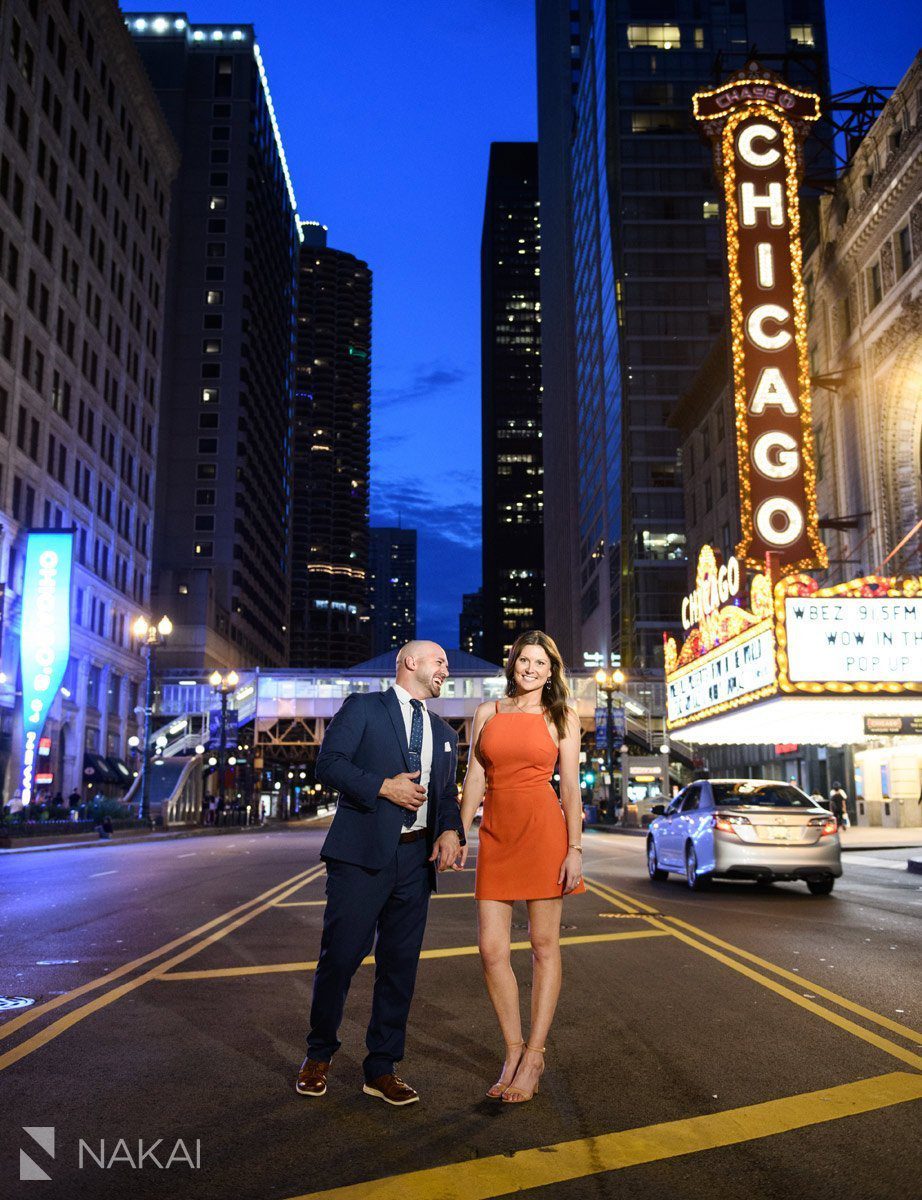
554	694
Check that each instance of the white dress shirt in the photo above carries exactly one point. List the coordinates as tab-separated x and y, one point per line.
425	763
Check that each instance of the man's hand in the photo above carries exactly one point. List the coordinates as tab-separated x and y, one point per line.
447	852
402	791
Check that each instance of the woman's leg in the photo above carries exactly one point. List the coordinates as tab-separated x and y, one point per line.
494	921
544	931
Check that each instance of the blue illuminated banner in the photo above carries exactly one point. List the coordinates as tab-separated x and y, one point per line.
45	640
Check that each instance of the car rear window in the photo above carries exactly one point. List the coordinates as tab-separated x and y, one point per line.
765	795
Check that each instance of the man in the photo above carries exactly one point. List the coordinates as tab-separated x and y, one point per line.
838	804
398	821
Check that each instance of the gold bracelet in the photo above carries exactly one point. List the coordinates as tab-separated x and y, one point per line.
578	849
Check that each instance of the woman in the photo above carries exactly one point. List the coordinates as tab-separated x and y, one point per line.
529	849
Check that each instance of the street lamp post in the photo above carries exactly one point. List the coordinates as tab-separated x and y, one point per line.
223	685
610	682
152	636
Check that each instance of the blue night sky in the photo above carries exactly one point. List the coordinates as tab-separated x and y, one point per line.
387	112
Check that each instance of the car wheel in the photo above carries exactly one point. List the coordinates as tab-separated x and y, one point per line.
657	874
821	887
696	882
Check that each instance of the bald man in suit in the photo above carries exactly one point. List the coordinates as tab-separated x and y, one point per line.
397	823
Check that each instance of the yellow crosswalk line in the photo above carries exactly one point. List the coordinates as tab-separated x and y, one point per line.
445	952
802	1001
543	1166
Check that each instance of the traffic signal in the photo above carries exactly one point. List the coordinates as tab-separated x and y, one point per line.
589	779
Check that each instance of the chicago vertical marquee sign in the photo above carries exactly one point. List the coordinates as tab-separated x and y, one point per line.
757	124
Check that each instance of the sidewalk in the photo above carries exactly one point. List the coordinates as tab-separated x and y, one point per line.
863	837
142	835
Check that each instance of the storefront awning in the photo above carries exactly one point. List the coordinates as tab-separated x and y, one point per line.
120	769
806	720
96	769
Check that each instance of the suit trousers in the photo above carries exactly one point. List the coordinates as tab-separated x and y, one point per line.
387	909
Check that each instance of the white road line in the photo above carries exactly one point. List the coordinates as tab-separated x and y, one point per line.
191	854
96	874
889	863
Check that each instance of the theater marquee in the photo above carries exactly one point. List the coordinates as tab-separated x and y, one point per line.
861	637
757	124
799	645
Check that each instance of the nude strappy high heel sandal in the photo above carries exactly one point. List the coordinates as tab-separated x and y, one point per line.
515	1095
496	1091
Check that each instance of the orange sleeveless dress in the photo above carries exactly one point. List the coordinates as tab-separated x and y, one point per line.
523	833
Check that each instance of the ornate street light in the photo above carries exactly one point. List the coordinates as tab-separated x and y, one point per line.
610	682
223	685
151	636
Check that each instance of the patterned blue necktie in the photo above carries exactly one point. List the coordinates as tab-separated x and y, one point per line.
415	752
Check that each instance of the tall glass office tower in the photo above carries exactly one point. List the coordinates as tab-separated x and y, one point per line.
641	242
329	624
223	507
510	320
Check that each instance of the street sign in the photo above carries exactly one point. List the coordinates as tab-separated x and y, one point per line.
895	726
618	726
230	729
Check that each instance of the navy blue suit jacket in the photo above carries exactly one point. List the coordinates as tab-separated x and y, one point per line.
364	744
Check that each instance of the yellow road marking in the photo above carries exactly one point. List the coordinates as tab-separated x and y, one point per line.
866	1035
446	952
311	903
912	1035
625	901
11	1026
502	1174
50	1032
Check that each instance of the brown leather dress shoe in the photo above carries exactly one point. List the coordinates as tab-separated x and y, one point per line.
312	1078
391	1090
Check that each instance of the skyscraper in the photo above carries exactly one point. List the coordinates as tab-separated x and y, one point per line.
392	587
558	75
470	623
510	316
86	162
222	533
647	288
330	625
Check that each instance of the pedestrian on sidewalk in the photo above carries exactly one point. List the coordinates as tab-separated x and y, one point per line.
838	803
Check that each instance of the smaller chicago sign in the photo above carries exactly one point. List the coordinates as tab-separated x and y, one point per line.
757	124
728	656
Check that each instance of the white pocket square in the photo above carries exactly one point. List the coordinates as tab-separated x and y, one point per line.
448	746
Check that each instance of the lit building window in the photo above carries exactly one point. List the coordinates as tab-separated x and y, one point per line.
660	37
802	35
656	122
709	209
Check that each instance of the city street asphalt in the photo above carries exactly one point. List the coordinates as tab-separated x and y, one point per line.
745	1042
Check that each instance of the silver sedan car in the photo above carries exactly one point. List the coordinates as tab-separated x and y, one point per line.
759	829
